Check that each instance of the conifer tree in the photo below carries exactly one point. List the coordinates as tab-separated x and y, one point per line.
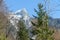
23	32
42	30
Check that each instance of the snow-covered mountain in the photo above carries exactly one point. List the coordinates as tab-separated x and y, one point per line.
14	17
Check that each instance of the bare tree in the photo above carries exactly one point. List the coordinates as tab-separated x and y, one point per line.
3	17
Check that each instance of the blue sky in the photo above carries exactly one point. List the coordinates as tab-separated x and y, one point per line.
15	5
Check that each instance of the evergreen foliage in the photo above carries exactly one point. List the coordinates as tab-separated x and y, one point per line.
23	32
42	30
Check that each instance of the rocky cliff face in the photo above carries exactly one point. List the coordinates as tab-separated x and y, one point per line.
14	19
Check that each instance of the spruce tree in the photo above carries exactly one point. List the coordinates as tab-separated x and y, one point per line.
42	30
23	32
